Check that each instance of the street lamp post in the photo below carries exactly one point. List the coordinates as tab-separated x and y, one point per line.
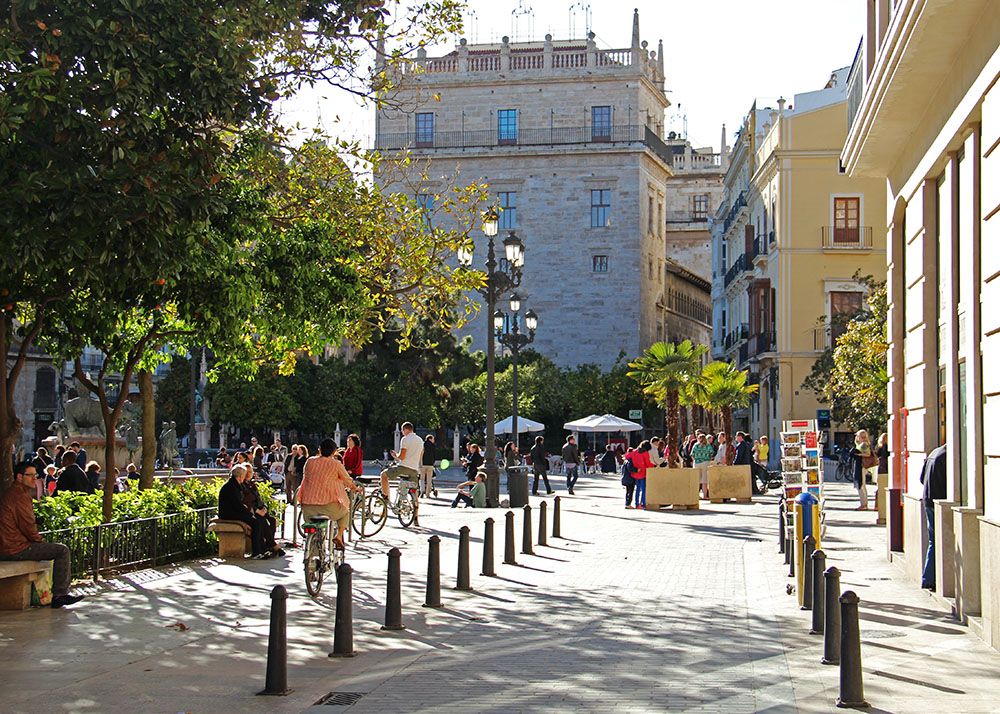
499	282
515	340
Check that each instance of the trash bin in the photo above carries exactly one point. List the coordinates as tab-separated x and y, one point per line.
517	486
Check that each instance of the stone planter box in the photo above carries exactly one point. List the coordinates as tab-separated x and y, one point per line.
671	487
729	482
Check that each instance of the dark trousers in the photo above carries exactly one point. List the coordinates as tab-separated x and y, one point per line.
545	477
58	554
572	474
929	579
467	500
262	534
629	490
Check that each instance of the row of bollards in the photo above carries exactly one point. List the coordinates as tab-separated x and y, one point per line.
833	614
276	677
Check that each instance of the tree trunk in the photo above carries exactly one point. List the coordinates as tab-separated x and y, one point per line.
673	408
10	426
109	467
146	476
727	429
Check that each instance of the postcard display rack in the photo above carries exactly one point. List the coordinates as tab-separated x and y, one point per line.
801	464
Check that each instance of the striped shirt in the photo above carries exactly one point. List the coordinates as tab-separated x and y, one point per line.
325	481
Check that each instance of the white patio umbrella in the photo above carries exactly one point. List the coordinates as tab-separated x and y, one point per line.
601	423
524	425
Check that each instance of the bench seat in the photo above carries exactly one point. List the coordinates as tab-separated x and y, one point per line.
234	537
16	577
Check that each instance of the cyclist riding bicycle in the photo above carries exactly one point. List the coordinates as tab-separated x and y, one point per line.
407	468
324	488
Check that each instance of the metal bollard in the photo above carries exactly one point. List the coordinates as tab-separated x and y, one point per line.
852	689
526	532
508	541
781	526
276	679
818	592
791	556
343	629
787	550
831	623
808	546
488	549
543	513
555	517
393	600
433	597
463	559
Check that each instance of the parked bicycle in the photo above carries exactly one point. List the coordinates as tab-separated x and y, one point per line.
845	465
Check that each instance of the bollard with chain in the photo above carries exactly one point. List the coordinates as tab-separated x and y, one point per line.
508	540
433	597
852	688
781	526
808	546
463	560
831	623
276	679
818	592
343	629
543	509
488	549
556	525
393	600
526	532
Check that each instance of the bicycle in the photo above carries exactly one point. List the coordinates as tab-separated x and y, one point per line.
320	552
377	507
357	507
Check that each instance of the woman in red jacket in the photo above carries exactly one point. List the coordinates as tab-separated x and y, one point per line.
353	456
640	462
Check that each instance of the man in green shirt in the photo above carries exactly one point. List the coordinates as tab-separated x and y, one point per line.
474	497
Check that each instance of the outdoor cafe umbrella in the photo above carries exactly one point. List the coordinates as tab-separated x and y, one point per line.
524	425
602	423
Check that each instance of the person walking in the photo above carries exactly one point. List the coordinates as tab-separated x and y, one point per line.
701	457
628	478
20	539
934	477
571	461
540	466
609	462
427	467
472	462
862	455
640	462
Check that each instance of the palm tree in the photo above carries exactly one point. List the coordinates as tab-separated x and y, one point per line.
722	388
664	371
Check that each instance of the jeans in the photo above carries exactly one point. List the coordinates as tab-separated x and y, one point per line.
545	477
572	474
58	554
928	580
467	500
640	492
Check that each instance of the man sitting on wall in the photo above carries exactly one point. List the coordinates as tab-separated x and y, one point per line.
19	537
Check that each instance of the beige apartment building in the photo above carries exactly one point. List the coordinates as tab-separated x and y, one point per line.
570	139
925	119
790	235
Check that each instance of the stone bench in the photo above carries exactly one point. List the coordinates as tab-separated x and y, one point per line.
234	537
16	577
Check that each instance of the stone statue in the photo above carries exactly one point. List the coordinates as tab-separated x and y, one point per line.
168	443
61	432
83	414
130	426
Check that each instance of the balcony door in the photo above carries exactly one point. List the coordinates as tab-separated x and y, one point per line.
847	220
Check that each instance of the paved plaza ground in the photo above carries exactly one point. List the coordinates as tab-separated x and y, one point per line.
631	611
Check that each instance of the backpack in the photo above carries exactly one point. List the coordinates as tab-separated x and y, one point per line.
627	470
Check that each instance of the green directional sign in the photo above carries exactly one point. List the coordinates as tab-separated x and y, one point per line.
635	413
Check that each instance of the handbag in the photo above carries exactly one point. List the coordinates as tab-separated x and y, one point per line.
869	461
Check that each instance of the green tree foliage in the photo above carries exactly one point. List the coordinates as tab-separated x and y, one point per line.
173	395
664	371
721	388
852	376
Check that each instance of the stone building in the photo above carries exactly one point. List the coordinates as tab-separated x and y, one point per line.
569	138
788	239
924	120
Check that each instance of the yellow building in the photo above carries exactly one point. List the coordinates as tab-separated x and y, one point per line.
925	118
790	236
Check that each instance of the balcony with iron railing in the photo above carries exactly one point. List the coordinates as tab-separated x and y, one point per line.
763	343
736	269
686	216
739	204
526	136
838	238
739	334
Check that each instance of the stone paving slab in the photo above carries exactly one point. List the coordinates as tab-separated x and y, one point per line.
633	611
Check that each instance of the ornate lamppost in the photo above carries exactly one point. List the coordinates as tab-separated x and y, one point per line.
499	282
514	340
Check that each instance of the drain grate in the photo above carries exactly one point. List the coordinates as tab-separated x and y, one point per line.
341	699
880	634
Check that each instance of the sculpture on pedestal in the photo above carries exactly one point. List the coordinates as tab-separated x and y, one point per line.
168	443
83	414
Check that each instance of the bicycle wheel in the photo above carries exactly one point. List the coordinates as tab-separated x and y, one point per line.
371	516
312	560
407	509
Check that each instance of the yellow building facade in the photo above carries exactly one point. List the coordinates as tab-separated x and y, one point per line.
789	239
925	118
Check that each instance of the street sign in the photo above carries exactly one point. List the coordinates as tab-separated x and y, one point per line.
635	413
823	418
